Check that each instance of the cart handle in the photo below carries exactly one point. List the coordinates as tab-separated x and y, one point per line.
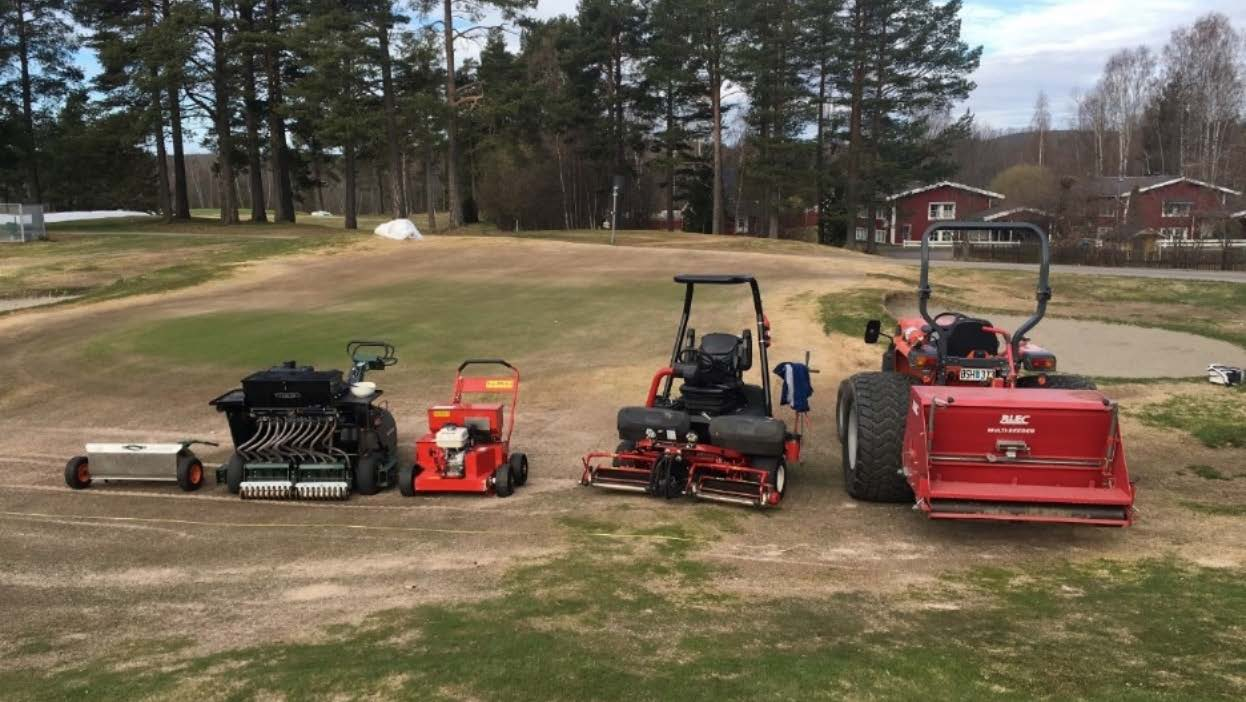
484	361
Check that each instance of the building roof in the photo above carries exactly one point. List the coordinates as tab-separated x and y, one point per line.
1004	211
949	184
1113	186
1239	215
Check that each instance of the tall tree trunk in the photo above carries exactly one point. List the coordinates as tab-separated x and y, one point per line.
819	160
716	128
157	114
430	192
453	206
349	205
221	115
30	154
279	154
398	200
317	180
251	113
856	104
173	88
380	187
670	156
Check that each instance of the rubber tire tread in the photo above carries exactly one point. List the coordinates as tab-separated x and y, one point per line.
882	403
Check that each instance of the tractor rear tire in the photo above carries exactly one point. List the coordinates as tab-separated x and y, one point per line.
365	475
406	479
233	474
502	484
875	408
1058	382
519	469
78	473
189	473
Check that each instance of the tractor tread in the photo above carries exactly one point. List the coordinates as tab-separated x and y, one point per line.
882	401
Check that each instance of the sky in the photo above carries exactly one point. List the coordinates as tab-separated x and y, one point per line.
1057	46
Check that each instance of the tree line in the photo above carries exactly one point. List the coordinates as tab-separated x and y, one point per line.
711	111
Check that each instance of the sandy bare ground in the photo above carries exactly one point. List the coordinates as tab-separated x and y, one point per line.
1136	352
123	562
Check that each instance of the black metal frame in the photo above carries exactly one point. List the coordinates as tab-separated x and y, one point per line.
1042	292
690	281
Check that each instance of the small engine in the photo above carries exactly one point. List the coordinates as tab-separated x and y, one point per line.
453	441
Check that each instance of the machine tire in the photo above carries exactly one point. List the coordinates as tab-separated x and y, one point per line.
78	473
387	434
189	472
519	469
406	479
233	474
623	447
776	471
841	419
1058	382
876	408
502	484
365	475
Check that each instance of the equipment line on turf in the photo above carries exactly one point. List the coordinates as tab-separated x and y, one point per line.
306	525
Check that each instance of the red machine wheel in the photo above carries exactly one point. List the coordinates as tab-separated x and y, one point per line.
189	472
519	469
502	484
78	473
406	479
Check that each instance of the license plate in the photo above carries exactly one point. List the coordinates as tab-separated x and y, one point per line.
976	375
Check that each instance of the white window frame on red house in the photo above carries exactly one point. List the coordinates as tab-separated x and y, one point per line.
937	215
1177	208
1103	231
906	232
862	234
1174	233
880	235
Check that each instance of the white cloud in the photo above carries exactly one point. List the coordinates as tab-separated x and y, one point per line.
1061	45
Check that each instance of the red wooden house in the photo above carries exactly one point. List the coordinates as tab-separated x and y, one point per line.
911	211
1172	207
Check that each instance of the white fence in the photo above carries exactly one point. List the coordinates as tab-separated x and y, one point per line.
19	223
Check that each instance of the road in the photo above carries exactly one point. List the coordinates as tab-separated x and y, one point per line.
1162	273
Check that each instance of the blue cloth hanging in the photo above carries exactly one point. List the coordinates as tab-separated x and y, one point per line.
797	386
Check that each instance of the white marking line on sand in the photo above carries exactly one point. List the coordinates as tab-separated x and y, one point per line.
42	516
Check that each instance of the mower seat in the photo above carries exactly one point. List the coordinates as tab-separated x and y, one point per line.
667	424
966	337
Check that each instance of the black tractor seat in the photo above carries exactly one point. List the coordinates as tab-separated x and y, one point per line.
966	338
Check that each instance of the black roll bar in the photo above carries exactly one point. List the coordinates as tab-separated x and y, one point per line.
690	281
1042	292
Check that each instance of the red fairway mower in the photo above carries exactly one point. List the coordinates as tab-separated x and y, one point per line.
719	439
971	423
466	449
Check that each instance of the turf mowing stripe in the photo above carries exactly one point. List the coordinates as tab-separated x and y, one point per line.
306	525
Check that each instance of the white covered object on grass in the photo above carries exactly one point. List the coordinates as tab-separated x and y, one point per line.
92	214
321	213
398	229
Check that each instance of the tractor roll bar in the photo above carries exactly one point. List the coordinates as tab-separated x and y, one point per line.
690	281
1042	292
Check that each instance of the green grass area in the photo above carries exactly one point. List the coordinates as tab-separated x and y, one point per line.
1215	421
433	322
1207	472
641	617
1216	510
846	312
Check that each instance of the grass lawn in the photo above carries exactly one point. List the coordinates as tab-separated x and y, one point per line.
1217	421
642	618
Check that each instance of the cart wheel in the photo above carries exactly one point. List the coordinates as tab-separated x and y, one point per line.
502	484
233	474
519	469
189	472
406	479
365	475
78	473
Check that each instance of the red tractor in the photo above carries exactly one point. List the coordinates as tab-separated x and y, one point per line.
719	439
971	422
467	447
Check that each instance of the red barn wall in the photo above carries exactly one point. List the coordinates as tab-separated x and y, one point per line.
914	210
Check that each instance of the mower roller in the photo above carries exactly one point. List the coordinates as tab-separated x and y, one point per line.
467	447
718	440
300	433
972	422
